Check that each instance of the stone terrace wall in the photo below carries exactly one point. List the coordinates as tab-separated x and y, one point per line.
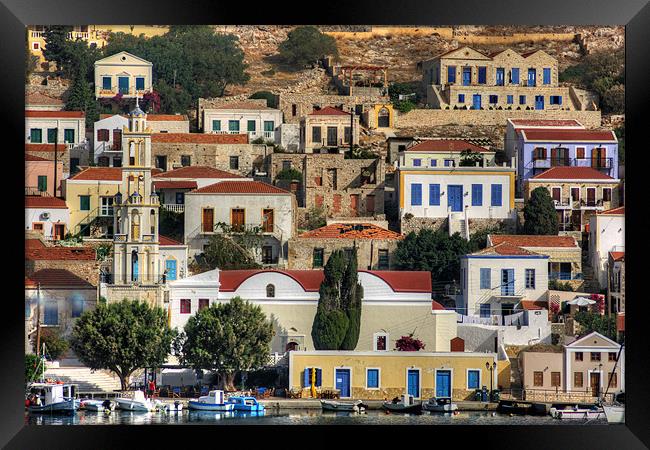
421	118
87	270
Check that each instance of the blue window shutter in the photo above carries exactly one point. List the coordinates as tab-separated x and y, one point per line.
515	75
482	71
139	83
472	379
496	195
434	163
106	83
306	378
434	195
522	99
559	99
510	99
319	374
451	74
416	195
485	278
485	310
477	195
417	162
461	98
547	75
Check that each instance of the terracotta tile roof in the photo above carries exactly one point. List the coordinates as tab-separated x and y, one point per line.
37	98
240	187
446	145
351	231
619	210
545	123
505	249
329	111
62	114
404	280
241	105
533	305
179	184
29	157
197	172
437	306
526	240
200	138
99	173
165	241
620	322
569	135
45	202
572	173
34	243
617	256
35	253
56	278
44	148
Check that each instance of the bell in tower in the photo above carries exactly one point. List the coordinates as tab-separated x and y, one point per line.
137	119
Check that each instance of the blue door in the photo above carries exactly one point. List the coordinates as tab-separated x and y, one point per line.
532	77
467	76
443	383
134	266
343	381
539	102
170	265
413	379
455	197
123	84
507	281
476	101
500	77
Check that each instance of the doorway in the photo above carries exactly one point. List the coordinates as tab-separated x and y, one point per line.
539	102
443	383
331	137
594	382
476	101
413	380
342	378
455	197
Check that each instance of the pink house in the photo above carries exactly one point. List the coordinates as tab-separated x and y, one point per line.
39	176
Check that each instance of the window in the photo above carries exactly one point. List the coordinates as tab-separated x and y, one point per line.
539	153
383	260
595	356
613	379
103	135
307	377
51	313
473	379
315	135
496	199
106	206
180	198
186	306
139	83
216	125
286	164
434	195
530	278
372	378
233	126
482	71
510	99
580	152
575	194
237	219
555	379
203	303
74	164
234	162
417	162
611	356
37	226
270	290
36	136
346	134
522	99
607	194
477	195
161	162
434	163
381	342
547	77
185	160
317	258
461	98
538	378
117	139
416	195
514	75
107	83
267	220
578	356
451	74
555	99
493	98
485	310
77	307
250	125
207	220
486	275
294	110
51	135
577	379
36	45
42	183
117	162
84	202
68	135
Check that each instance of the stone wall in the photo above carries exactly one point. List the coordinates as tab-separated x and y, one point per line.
301	251
208	103
303	104
151	295
422	118
440	224
87	270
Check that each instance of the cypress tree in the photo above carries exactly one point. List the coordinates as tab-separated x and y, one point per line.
539	213
330	323
351	296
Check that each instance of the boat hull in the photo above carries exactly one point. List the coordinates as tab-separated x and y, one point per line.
66	407
615	414
200	406
338	406
249	408
449	407
577	414
130	405
417	408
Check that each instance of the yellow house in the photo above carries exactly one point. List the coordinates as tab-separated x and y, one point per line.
123	73
89	197
380	115
386	375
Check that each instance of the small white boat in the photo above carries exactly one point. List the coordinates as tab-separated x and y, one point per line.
214	401
574	412
439	405
51	398
331	405
405	404
615	413
104	405
138	403
175	407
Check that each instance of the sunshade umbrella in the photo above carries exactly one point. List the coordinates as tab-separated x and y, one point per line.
581	301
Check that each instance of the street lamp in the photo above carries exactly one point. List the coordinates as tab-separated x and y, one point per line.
491	368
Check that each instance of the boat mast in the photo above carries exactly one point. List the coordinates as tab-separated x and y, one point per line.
613	370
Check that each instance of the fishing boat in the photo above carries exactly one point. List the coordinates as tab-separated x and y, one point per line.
214	401
331	405
175	407
615	413
405	404
245	403
576	412
439	405
138	403
104	405
51	398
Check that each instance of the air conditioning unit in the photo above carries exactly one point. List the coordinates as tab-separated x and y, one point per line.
45	215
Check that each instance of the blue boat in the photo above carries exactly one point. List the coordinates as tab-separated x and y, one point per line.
246	404
214	401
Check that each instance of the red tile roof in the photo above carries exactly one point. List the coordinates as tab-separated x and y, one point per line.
241	105
569	135
166	241
620	322
180	184
545	123
619	210
329	111
572	173
437	306
197	172
56	114
45	148
29	157
45	202
351	231
99	173
446	145
533	305
199	138
617	256
506	249
37	98
239	187
34	243
526	240
34	253
404	280
56	278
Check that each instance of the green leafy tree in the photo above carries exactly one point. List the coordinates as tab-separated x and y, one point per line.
540	216
306	45
603	324
55	344
315	217
271	99
32	367
434	251
82	98
56	37
122	337
289	174
225	253
172	224
469	158
173	99
226	338
351	299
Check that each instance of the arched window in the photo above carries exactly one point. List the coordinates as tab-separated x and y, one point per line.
383	118
134	265
135	226
152	221
270	290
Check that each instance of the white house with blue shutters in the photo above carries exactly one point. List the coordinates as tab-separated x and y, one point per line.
495	280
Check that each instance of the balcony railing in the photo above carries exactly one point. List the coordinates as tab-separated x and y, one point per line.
114	91
562	204
591	204
35	191
174	207
547	163
564	276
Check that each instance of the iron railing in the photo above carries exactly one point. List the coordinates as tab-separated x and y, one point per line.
546	163
555	395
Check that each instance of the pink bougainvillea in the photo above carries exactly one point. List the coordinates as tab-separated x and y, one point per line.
600	302
409	344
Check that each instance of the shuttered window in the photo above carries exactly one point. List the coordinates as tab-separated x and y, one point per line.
84	202
473	377
577	379
186	306
42	183
477	195
547	75
538	378
307	377
496	195
555	379
416	195
372	378
318	257
485	278
216	125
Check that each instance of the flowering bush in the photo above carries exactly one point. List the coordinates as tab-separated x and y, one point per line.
555	308
409	344
600	302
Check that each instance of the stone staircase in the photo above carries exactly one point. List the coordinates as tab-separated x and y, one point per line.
87	380
590	283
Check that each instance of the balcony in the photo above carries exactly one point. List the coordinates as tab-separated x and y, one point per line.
125	92
35	191
174	207
592	205
105	147
539	165
120	237
562	204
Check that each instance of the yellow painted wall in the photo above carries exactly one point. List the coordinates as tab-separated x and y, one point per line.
503	374
94	189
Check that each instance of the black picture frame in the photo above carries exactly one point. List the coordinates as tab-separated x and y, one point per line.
635	15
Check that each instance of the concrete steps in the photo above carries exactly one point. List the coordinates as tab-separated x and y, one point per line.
86	379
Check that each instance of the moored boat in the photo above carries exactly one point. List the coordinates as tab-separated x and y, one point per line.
439	405
615	413
214	401
332	405
405	404
137	403
104	405
245	404
51	398
575	412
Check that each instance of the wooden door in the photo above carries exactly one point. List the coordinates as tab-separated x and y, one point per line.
208	220
237	219
332	140
267	220
591	196
59	231
594	382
